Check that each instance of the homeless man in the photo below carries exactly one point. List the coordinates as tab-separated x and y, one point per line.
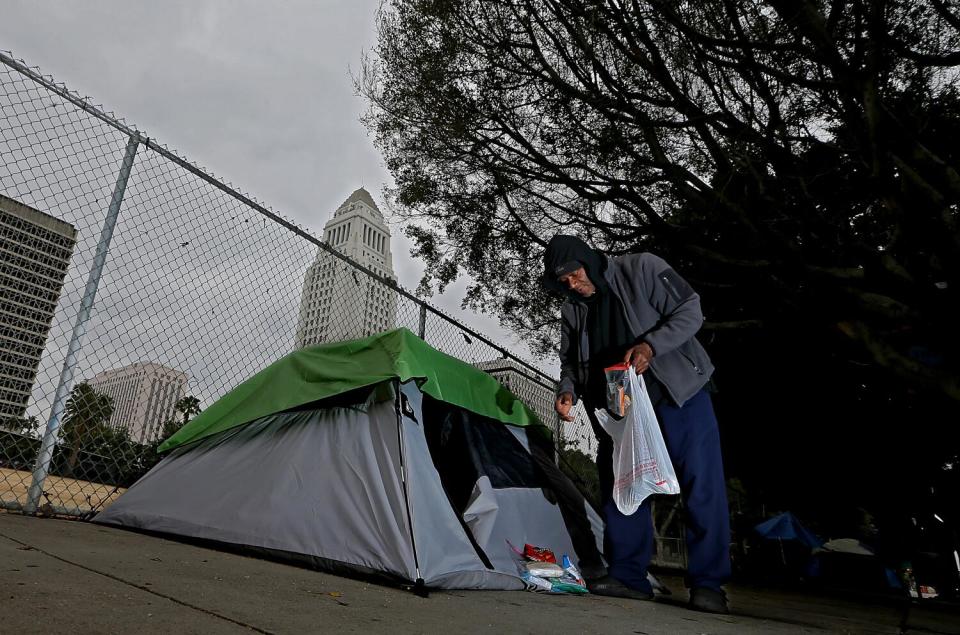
636	309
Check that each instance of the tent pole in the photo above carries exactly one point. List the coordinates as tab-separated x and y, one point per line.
418	588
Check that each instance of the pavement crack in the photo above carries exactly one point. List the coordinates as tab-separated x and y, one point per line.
146	589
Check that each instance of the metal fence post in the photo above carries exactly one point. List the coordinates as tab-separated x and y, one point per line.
423	322
42	465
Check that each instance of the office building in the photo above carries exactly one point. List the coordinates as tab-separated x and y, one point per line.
144	397
531	389
35	252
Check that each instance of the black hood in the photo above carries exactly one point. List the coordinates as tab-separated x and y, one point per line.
565	249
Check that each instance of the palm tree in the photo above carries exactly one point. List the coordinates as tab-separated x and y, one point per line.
86	410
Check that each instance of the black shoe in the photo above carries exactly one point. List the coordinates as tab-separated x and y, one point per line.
611	587
708	600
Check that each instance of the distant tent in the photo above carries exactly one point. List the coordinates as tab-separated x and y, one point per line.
382	457
846	545
848	563
784	552
787	527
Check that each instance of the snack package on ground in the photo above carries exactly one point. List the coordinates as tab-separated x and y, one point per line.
618	385
538	583
545	569
549	577
641	463
538	554
572	571
533	582
572	581
561	586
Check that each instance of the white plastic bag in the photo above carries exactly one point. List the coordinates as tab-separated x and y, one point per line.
641	464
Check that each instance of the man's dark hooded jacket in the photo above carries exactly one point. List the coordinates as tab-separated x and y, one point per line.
659	307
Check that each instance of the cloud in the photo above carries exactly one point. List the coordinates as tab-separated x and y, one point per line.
258	93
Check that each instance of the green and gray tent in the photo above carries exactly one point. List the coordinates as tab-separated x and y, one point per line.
381	457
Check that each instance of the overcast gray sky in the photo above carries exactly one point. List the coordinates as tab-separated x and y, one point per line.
259	93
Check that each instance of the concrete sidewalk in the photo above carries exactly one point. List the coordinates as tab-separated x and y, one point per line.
59	576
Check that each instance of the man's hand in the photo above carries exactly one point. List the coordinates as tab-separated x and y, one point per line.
563	405
639	357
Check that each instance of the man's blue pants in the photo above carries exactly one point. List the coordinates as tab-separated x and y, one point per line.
693	441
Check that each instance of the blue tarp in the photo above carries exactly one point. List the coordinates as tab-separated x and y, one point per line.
787	527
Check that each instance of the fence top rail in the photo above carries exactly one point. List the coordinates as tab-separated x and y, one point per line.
84	104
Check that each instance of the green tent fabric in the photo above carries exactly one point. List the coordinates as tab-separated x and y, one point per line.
327	370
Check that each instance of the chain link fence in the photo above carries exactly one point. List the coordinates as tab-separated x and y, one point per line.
137	289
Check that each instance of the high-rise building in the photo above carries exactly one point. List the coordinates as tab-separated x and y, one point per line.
540	398
535	393
35	251
339	302
144	397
